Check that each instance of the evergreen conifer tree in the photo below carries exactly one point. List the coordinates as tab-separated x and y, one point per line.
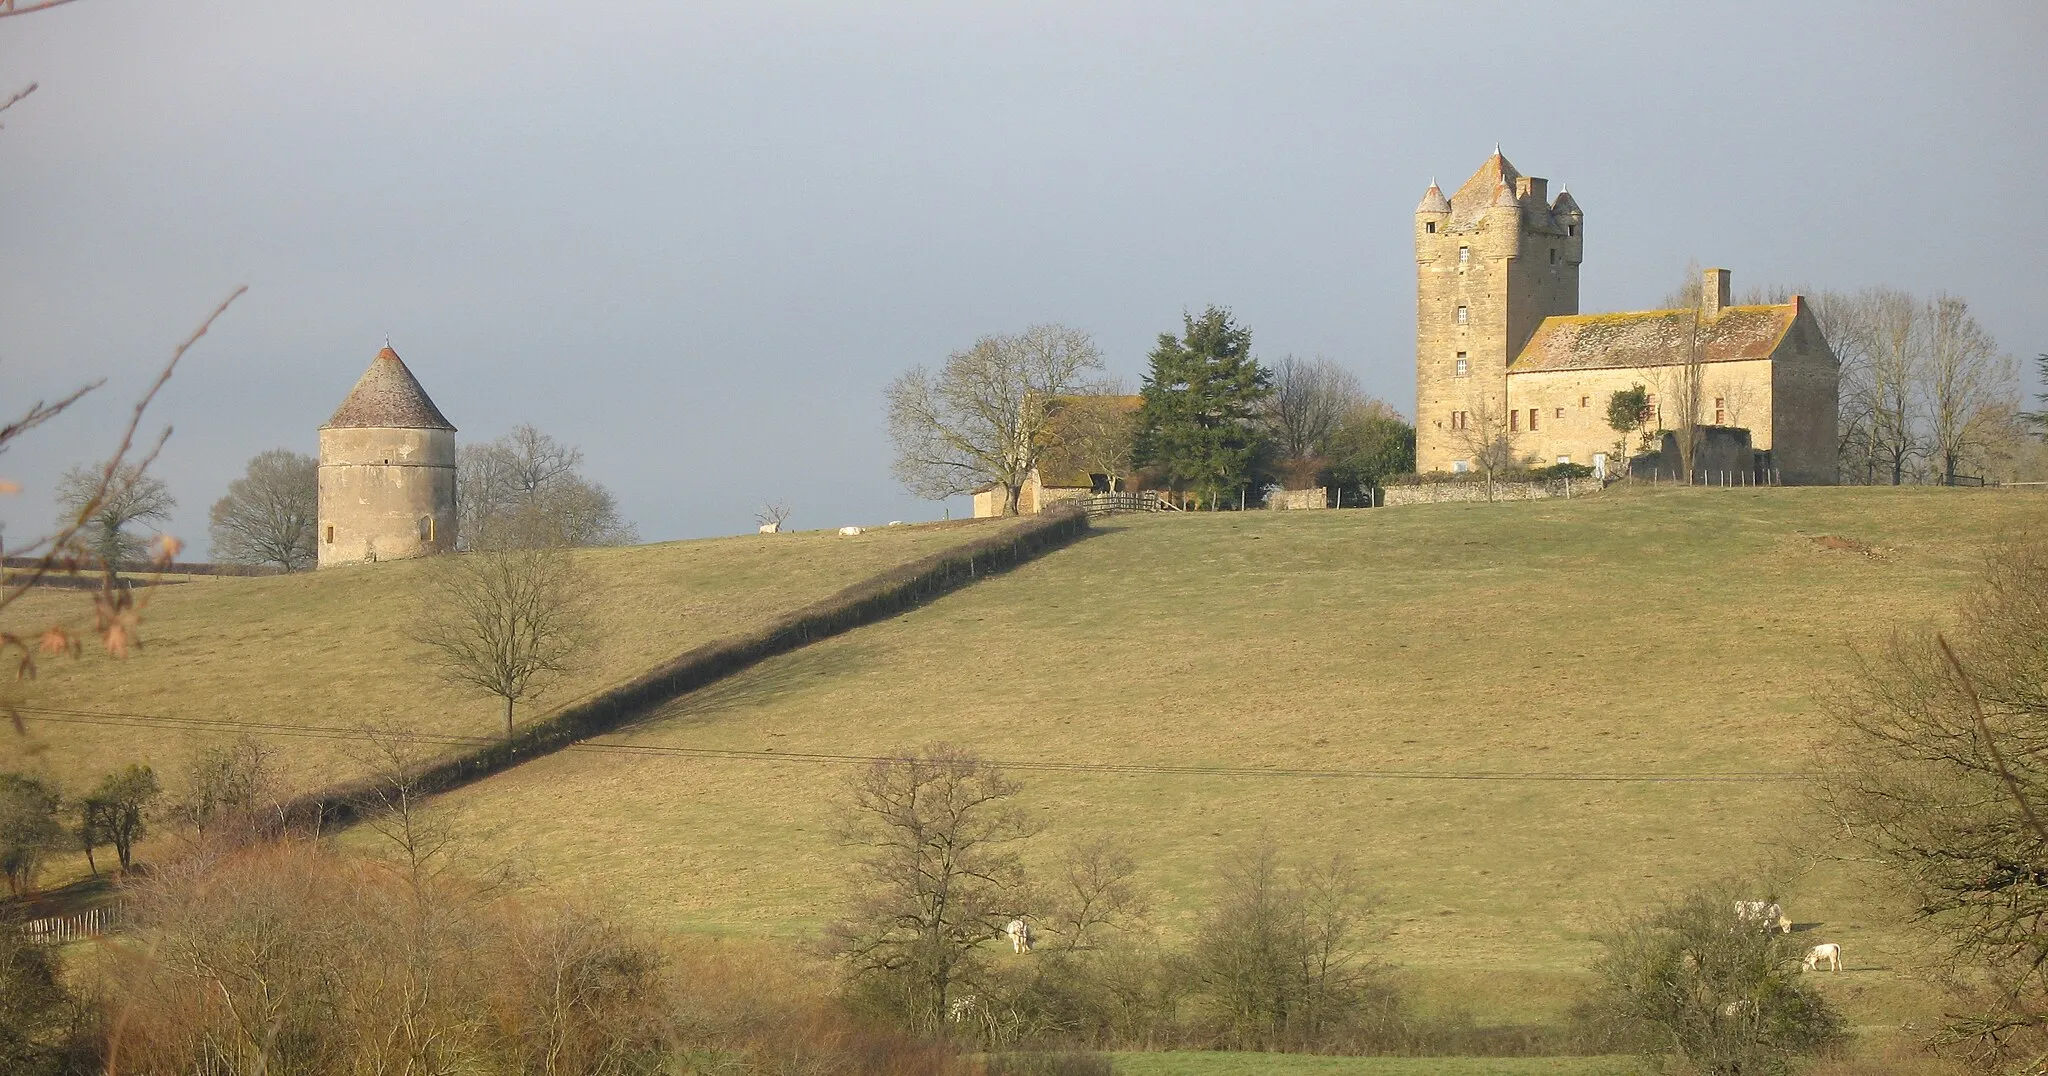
1201	397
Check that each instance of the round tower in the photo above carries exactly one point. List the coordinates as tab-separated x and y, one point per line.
387	471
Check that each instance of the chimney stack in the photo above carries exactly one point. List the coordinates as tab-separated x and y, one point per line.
1713	292
1532	187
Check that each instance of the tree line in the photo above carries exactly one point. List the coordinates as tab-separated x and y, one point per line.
1210	420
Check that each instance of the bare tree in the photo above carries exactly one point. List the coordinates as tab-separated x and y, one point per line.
1094	895
270	514
1488	440
1966	378
233	792
1688	384
938	878
506	622
772	515
524	490
1093	432
1896	335
981	419
1284	965
1940	774
106	509
1309	402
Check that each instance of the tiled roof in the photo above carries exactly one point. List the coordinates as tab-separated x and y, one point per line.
387	396
1653	338
1433	200
1477	194
1055	473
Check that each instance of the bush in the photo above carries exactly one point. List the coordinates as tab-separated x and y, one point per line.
1722	994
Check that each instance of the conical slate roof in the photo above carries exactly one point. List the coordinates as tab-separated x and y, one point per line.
388	397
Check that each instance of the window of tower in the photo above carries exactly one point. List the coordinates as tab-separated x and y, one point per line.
1464	315
1553	255
1464	255
330	536
1560	413
1431	225
1571	229
1532	420
1515	421
1463	366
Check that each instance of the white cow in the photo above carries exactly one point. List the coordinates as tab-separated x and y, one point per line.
1020	935
849	531
771	528
1763	911
1826	952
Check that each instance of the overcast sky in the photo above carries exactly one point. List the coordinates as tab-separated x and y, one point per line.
698	239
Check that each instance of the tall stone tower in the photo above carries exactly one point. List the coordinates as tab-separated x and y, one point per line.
387	471
1491	262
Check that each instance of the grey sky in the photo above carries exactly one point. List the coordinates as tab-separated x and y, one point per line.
697	239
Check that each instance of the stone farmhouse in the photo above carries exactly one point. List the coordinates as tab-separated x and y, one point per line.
387	471
1500	345
1057	478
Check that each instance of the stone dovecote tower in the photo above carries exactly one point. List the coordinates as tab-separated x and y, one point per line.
387	471
1491	261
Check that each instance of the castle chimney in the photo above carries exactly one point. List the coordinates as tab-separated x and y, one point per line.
1713	292
1527	187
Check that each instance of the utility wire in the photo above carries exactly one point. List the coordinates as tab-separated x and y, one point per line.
115	719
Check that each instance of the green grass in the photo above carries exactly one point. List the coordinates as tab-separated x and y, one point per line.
1658	636
330	649
1194	1063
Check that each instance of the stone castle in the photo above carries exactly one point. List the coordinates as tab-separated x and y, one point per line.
1501	348
387	471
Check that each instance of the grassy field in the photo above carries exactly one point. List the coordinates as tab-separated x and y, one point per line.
1521	718
291	655
1188	1063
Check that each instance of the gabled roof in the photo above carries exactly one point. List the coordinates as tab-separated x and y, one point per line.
387	396
1654	338
1055	472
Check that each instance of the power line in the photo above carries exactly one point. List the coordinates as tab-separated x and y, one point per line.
116	719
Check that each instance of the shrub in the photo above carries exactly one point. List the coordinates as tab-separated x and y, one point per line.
1690	980
1046	1064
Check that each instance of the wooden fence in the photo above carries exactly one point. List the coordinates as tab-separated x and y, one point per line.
59	929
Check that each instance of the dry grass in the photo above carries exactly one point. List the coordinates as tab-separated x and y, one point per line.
1656	635
1188	1063
329	650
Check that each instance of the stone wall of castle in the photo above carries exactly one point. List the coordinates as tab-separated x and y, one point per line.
1805	405
1571	406
385	494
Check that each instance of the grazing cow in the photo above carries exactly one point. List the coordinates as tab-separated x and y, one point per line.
1020	935
1827	952
771	528
849	531
1763	911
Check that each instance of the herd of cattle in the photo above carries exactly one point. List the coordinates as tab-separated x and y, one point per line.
1762	912
1769	914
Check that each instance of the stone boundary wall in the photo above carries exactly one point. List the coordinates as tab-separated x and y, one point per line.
872	600
1295	500
1517	490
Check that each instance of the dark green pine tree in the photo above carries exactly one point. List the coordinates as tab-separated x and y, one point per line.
1197	422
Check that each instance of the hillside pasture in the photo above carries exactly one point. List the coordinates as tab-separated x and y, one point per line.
1520	718
302	661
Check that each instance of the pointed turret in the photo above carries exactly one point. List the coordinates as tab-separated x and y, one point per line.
1504	198
387	396
1433	201
1566	205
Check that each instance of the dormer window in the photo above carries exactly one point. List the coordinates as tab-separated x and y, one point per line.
1464	255
1464	315
1431	225
1571	229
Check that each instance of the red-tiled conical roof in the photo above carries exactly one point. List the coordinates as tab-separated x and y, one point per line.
388	397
